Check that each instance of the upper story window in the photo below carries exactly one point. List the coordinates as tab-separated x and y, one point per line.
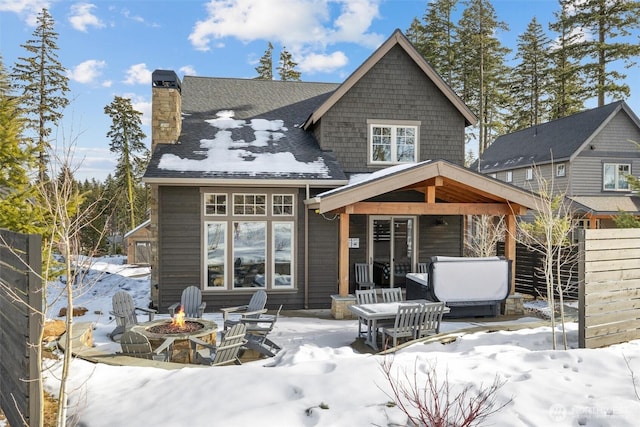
614	176
561	169
529	174
282	204
215	204
249	204
393	143
508	176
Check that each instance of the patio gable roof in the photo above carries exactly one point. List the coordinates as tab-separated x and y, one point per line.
449	189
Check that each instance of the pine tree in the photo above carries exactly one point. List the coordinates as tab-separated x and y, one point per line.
43	82
530	82
127	141
436	37
567	89
18	208
481	67
286	69
265	69
608	25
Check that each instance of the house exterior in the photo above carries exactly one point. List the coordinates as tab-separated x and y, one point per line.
285	185
138	244
586	156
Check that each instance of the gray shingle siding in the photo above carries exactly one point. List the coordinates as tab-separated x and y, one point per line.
394	89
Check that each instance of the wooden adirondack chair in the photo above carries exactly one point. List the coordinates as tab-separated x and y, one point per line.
137	345
252	310
392	294
365	296
124	312
362	276
223	354
404	325
191	302
429	319
257	331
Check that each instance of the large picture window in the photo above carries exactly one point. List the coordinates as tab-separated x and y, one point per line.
282	254
249	253
614	176
215	253
393	143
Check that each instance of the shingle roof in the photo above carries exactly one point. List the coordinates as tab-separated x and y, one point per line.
243	129
557	140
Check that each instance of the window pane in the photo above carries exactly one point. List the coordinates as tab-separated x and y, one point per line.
249	204
215	204
282	254
249	254
381	144
609	177
623	171
282	204
215	254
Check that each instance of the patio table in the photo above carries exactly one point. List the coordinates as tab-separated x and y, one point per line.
373	313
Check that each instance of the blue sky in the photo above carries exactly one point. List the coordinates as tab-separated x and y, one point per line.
111	47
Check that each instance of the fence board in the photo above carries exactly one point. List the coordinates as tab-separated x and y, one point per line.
609	294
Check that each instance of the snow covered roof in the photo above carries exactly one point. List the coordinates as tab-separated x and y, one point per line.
246	129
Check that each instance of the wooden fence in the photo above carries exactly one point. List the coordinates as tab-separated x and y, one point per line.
529	274
609	297
20	326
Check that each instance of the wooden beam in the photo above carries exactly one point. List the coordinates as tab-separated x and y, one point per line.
393	208
510	248
430	194
343	261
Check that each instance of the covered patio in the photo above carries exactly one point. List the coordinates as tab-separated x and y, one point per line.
445	189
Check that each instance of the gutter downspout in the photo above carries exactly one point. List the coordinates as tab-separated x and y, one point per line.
306	253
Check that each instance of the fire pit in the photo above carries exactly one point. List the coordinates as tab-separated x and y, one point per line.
180	329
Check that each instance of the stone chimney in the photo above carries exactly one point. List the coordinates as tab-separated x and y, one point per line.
166	107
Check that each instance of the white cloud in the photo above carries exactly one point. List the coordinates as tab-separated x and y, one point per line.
322	62
188	70
87	71
138	74
82	17
294	23
27	9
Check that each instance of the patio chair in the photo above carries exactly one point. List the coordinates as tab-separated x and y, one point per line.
252	310
392	295
423	267
124	312
257	331
191	302
137	345
365	296
429	319
404	325
362	276
223	354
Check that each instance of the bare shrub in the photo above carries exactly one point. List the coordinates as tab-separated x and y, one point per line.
432	402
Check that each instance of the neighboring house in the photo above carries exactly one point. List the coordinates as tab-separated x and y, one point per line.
138	244
285	185
586	155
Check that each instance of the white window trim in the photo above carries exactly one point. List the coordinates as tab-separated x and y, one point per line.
561	169
205	204
508	176
616	178
225	264
293	204
528	174
273	251
393	124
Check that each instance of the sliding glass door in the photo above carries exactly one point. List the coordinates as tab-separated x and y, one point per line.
391	249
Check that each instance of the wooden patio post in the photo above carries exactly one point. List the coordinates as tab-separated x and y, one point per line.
510	248
343	262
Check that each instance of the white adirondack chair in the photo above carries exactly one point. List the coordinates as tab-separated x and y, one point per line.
191	302
391	294
223	354
137	345
124	312
404	325
252	310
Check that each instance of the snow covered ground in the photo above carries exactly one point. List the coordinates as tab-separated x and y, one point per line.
318	379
